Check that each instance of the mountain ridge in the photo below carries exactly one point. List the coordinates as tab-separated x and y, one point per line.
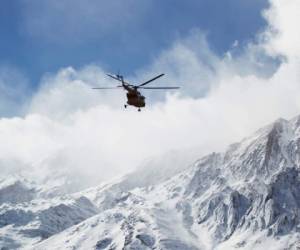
245	197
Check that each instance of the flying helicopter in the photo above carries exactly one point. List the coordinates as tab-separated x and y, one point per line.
134	97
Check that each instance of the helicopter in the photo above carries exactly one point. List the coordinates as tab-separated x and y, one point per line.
134	97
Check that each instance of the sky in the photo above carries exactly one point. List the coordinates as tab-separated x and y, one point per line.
44	36
237	63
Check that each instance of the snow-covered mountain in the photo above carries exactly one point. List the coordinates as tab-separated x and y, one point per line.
247	197
28	214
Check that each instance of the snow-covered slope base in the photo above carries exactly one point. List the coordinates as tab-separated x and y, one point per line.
247	197
28	216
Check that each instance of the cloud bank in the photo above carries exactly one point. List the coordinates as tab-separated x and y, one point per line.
72	129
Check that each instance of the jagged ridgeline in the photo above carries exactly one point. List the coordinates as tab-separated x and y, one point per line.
247	197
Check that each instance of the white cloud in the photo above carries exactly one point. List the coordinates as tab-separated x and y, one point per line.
283	32
69	126
68	91
189	62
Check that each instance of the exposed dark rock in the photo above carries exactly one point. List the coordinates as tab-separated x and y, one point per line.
102	244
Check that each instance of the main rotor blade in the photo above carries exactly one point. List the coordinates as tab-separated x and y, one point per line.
118	87
151	80
159	87
116	78
113	77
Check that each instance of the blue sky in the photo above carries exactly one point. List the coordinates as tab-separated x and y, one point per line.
43	36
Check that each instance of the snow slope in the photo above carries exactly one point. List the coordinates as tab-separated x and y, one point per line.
28	216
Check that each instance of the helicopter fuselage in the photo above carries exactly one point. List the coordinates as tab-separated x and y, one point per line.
135	98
